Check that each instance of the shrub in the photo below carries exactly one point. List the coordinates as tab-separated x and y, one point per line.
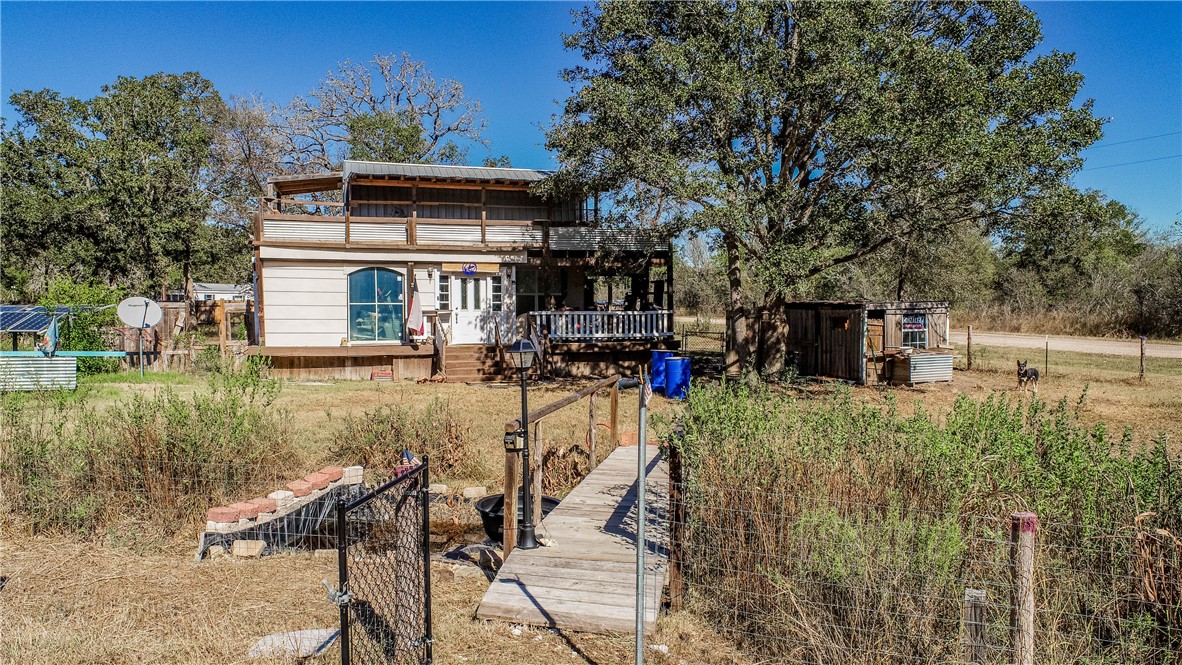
158	461
377	439
836	531
81	329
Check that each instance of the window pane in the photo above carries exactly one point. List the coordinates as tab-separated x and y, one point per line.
361	286
464	293
444	295
477	287
362	322
497	296
389	322
527	280
389	286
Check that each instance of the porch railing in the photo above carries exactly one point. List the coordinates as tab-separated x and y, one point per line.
604	326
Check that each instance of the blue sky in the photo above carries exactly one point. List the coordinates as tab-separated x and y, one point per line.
508	56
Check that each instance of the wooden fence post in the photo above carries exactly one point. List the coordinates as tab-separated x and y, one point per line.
592	455
973	621
512	482
1046	367
1022	529
615	414
969	345
1141	374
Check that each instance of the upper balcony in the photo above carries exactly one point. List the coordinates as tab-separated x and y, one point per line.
430	207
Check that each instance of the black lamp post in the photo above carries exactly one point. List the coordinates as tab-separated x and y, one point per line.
522	354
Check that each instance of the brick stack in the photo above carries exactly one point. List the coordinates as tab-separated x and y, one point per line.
295	495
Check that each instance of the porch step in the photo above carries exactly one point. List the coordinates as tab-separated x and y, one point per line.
471	363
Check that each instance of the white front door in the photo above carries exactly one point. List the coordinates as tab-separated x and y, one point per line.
477	309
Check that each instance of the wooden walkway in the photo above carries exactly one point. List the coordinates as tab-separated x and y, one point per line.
586	581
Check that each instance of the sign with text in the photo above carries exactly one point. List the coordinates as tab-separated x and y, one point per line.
915	322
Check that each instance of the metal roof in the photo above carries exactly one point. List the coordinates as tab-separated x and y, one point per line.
27	318
220	288
443	171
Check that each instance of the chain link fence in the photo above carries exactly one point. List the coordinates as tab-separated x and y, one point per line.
384	573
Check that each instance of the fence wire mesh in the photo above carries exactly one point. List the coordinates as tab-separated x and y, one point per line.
385	571
808	579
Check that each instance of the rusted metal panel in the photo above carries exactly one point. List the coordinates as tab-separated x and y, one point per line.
32	373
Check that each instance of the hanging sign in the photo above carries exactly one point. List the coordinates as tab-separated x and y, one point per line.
915	322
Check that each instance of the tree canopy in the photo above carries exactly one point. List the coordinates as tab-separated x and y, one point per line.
109	187
811	135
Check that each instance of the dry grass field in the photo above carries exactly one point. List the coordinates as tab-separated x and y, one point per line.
116	597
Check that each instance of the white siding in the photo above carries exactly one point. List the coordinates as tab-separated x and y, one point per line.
448	234
305	305
427	286
274	229
377	232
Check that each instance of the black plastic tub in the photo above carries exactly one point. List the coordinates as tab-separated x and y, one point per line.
492	513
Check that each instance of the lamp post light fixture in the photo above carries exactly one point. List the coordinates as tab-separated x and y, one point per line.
522	354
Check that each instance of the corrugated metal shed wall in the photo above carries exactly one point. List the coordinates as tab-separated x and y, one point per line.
31	373
931	367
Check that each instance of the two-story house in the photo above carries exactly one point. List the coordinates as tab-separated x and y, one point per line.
339	285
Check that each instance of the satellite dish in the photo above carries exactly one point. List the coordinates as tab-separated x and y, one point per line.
139	312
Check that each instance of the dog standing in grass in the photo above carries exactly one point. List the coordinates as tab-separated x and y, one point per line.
1027	377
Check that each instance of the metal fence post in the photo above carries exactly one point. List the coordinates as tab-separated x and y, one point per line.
425	503
343	576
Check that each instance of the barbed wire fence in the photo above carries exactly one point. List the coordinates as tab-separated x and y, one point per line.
825	579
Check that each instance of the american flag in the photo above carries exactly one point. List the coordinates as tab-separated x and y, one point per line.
646	392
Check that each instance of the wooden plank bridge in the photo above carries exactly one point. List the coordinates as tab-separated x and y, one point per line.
586	581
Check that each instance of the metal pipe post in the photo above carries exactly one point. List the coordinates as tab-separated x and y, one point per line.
526	538
641	442
343	576
425	507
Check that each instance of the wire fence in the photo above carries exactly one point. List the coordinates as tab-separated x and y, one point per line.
1058	357
824	579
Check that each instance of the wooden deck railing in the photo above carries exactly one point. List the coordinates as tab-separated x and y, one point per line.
513	460
604	326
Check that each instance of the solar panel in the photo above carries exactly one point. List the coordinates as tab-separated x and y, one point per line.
27	318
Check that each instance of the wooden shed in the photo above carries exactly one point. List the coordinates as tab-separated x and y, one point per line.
866	342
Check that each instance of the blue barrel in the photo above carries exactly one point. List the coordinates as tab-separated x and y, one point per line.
677	377
657	369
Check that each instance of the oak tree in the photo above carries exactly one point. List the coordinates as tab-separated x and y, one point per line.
810	135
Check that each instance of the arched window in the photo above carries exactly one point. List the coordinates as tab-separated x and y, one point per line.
375	305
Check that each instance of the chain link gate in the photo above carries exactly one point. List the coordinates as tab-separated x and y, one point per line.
384	570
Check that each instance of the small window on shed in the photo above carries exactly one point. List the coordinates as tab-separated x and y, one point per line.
840	322
915	331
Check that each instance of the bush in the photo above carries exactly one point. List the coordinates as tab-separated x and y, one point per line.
157	461
82	328
857	529
377	438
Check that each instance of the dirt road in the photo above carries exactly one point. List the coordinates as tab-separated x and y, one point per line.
1112	347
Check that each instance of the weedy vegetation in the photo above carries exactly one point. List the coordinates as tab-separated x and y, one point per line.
835	531
150	462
